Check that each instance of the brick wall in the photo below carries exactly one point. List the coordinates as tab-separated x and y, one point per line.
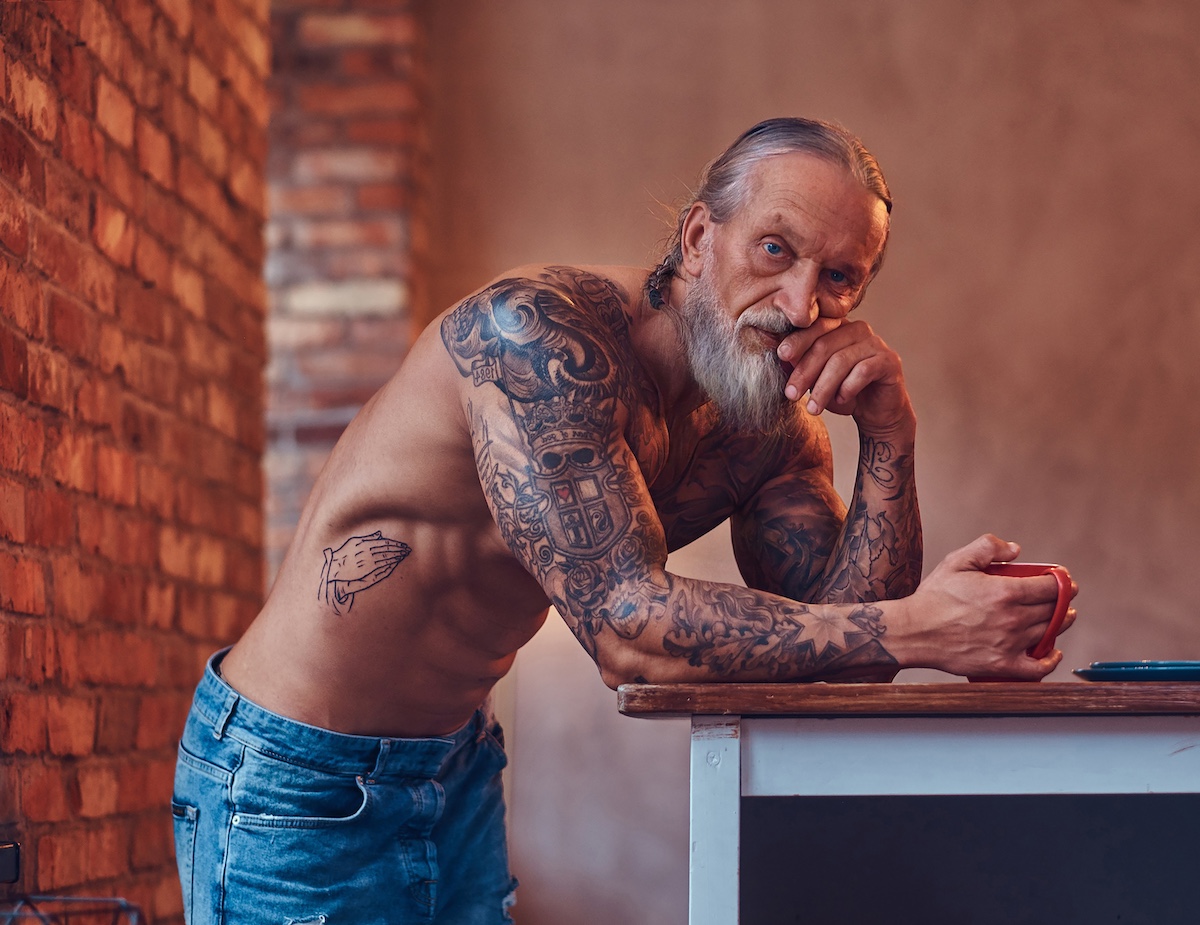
346	237
132	156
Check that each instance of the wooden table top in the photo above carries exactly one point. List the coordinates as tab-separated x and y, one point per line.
1104	698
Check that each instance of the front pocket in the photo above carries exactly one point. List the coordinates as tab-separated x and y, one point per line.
269	792
185	818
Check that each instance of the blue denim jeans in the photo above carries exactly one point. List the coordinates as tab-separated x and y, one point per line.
280	822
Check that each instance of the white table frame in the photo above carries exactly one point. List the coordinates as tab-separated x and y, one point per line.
734	756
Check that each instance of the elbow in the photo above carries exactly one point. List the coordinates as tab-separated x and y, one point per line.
620	664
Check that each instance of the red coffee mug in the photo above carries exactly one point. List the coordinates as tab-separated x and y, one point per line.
1045	645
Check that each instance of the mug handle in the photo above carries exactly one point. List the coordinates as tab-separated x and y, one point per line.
1046	644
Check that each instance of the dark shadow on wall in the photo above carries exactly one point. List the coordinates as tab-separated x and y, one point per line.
995	860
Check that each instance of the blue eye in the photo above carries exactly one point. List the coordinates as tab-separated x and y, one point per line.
837	276
773	249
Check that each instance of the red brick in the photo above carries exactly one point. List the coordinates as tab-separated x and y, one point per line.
114	111
335	29
156	375
309	200
22	299
71	461
188	288
179	13
116	724
22	718
50	379
154	154
113	232
116	475
76	591
142	426
152	841
138	16
71	725
74	267
374	61
355	165
12	511
24	447
160	719
14	227
22	585
158	608
383	197
375	97
108	850
98	790
202	84
117	536
14	362
161	214
140	309
62	860
45	792
204	194
51	518
68	197
104	37
71	70
72	327
82	143
98	401
393	132
120	178
33	101
153	263
20	162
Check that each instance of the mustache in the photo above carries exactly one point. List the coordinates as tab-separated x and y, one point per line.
768	319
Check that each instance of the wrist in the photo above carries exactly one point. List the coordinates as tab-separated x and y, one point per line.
900	430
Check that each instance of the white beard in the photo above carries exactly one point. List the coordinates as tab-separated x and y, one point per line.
745	385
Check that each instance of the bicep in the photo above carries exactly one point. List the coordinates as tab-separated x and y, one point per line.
546	405
784	535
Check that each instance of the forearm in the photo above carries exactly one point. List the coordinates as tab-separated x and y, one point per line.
695	630
878	553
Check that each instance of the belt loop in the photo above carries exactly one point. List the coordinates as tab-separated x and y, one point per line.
381	758
222	720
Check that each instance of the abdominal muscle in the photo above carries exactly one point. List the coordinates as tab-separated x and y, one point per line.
397	664
414	648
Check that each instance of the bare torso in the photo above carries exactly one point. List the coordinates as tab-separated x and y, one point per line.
416	653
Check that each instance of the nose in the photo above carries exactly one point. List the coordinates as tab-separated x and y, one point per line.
797	297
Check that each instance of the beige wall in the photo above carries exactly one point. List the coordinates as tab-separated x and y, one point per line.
1043	286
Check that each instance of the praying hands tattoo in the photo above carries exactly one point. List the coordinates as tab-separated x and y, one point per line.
359	563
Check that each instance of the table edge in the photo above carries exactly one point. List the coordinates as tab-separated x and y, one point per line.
1102	698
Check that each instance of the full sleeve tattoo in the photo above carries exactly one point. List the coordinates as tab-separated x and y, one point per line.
553	390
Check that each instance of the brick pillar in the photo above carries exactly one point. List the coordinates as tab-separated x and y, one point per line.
345	241
132	349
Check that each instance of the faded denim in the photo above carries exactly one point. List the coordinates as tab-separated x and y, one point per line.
281	823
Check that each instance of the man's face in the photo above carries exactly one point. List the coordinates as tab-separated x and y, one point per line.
801	247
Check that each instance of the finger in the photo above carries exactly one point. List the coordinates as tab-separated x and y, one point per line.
809	355
845	377
800	340
981	552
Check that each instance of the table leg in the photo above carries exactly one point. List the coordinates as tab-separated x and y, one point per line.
716	792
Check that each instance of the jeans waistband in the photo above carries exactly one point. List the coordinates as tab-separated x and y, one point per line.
229	714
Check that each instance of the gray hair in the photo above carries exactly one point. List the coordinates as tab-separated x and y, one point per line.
725	182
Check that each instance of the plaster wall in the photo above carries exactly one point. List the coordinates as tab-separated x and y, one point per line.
1042	285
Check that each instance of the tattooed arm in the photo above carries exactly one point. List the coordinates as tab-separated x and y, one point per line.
549	397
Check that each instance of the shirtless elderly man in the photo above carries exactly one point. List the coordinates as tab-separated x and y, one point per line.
547	441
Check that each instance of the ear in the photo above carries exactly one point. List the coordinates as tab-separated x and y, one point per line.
696	225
